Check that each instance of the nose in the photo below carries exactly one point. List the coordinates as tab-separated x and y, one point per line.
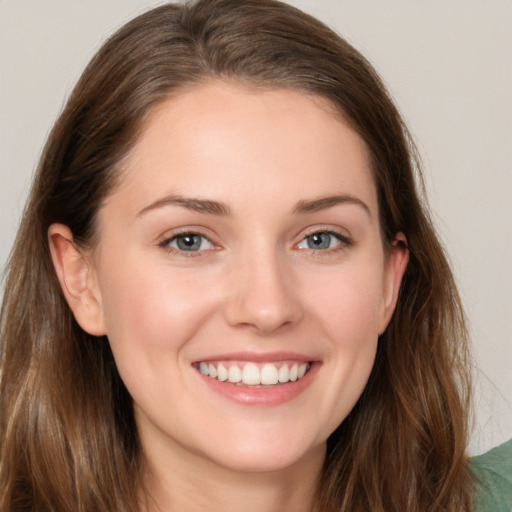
263	295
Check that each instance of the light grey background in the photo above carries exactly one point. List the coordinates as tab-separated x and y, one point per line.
447	63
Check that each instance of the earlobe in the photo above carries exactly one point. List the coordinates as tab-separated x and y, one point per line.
396	264
77	279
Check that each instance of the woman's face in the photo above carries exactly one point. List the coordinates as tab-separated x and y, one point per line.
243	243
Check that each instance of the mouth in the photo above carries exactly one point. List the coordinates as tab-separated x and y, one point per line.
254	374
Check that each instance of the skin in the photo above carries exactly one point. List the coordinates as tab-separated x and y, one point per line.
257	286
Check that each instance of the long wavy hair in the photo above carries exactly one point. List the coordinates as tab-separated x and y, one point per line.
68	438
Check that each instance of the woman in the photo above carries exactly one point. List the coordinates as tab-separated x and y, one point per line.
225	288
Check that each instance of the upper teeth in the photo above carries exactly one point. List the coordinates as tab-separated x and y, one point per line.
252	374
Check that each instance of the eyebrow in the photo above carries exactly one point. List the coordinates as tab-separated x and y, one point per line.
191	203
217	208
323	203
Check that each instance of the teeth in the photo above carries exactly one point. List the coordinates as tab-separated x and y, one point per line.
284	373
269	375
234	374
222	373
252	374
212	371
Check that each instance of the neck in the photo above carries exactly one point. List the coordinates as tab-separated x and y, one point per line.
184	481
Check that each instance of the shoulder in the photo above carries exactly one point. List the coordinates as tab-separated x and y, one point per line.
493	473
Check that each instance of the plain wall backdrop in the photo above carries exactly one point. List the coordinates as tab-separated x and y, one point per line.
448	65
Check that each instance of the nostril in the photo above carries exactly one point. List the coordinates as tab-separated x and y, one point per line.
264	321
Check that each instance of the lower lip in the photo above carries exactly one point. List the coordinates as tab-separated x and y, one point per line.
265	396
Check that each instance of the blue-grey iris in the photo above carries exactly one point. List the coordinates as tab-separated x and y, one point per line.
189	242
319	241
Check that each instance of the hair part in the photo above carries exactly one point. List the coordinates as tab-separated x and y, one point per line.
68	438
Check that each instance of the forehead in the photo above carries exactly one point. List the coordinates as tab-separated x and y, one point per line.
223	140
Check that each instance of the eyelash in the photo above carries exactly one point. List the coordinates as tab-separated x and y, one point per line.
343	240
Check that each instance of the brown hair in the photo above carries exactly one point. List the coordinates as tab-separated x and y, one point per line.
68	439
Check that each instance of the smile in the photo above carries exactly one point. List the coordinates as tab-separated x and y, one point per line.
254	374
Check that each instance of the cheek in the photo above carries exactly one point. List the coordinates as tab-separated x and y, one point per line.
346	313
349	303
151	315
149	310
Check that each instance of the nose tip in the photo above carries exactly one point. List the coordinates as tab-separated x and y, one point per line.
265	318
264	299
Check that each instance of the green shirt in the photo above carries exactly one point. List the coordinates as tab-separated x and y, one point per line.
493	471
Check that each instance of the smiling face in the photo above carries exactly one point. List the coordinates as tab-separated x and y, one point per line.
241	277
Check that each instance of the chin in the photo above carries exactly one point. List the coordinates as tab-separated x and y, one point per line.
265	457
258	464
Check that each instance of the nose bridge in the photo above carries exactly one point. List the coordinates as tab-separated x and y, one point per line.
262	295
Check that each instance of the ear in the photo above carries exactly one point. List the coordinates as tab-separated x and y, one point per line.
395	265
77	278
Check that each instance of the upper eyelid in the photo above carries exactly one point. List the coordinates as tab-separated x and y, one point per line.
169	235
340	232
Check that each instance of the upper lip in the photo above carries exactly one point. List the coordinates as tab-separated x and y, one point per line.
258	357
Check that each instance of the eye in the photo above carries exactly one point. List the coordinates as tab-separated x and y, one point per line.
322	240
189	242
